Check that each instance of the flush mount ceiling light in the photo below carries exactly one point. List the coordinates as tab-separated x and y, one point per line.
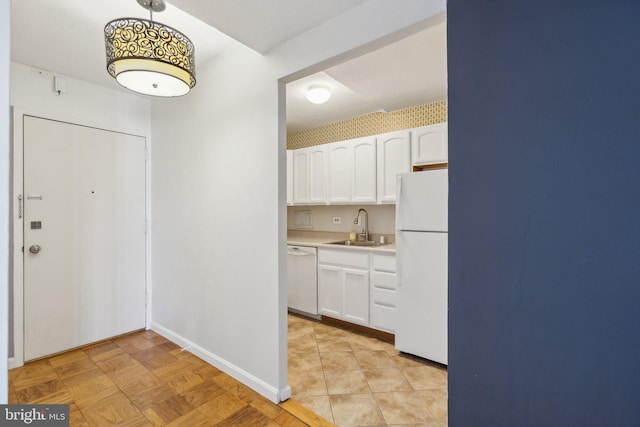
149	57
318	94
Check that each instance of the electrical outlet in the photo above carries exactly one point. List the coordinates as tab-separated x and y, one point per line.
337	220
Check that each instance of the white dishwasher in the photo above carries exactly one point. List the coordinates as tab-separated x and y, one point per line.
302	280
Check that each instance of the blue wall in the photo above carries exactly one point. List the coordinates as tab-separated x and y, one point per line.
544	258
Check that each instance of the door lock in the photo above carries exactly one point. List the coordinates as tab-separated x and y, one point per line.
34	249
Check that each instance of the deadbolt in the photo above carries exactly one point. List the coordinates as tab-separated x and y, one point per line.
34	249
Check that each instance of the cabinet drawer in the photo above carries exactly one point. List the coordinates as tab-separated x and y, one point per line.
384	297
384	263
349	259
383	280
383	318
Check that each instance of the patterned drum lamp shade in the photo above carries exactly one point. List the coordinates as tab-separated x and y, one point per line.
149	57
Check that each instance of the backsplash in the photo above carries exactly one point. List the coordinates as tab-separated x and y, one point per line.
382	218
370	124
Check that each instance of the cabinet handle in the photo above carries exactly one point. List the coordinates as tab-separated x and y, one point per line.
19	205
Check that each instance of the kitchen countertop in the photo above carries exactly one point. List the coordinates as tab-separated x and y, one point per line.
322	239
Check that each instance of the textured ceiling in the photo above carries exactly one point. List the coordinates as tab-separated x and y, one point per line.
66	37
264	24
410	72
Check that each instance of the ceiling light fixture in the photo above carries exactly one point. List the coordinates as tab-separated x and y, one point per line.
149	57
318	94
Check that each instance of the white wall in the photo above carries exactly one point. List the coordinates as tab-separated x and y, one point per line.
85	104
219	230
382	218
5	26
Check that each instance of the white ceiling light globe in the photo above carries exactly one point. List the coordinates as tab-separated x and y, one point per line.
318	94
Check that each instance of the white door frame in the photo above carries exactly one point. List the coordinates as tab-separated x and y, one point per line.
17	224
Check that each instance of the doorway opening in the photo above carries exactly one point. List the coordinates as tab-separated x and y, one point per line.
396	88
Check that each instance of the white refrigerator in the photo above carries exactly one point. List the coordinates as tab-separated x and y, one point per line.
421	253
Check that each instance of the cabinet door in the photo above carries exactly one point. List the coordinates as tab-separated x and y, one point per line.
289	177
355	296
330	290
364	170
317	173
429	144
301	175
394	157
340	156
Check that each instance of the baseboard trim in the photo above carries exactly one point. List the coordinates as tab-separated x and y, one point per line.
381	335
268	391
13	363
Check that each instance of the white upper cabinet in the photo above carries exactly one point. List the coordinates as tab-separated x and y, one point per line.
394	157
364	170
301	176
289	177
429	144
339	172
352	171
317	173
309	175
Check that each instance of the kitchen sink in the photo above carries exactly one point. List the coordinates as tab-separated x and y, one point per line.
369	243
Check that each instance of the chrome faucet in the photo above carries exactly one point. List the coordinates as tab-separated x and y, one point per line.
365	230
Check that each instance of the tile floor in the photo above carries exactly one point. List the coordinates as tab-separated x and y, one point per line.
354	380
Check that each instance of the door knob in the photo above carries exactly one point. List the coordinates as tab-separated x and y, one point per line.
34	249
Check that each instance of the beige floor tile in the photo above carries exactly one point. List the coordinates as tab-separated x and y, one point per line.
304	362
359	342
300	331
309	383
437	403
322	329
356	410
346	381
403	360
338	344
304	344
381	380
426	377
344	360
374	359
352	379
318	404
403	407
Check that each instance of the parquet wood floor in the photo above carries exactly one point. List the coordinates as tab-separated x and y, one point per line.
142	379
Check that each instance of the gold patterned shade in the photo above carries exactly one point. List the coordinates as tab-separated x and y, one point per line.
149	57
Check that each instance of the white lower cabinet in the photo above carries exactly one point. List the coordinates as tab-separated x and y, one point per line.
358	287
355	303
383	292
343	285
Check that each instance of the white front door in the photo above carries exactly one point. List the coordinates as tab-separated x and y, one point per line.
84	235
